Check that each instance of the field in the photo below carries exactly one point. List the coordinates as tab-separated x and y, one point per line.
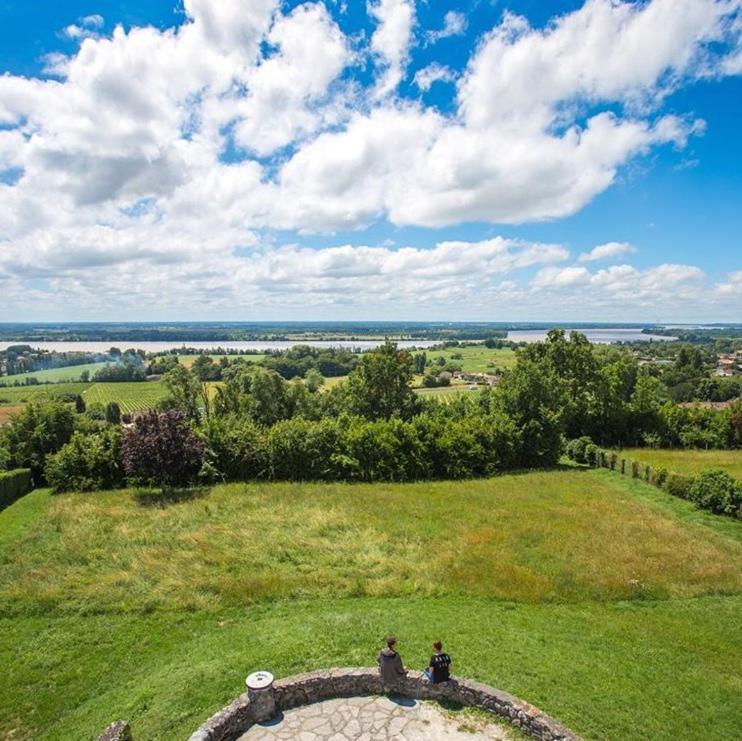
477	358
690	461
55	375
19	395
611	605
131	397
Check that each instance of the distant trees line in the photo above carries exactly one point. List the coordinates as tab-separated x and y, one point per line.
257	425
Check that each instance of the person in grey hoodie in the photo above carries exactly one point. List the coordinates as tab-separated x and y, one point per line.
390	663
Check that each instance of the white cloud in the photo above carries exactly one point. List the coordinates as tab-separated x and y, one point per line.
121	161
434	72
606	251
454	24
391	40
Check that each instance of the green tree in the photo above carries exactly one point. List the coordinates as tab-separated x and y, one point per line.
381	385
184	391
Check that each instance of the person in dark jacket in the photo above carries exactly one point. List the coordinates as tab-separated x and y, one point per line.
439	665
390	663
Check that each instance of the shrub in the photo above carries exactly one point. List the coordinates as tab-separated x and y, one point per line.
39	430
235	448
635	469
659	476
14	485
717	491
612	461
577	449
678	485
162	450
87	462
592	453
113	413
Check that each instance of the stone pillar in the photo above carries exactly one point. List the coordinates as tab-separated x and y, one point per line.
260	692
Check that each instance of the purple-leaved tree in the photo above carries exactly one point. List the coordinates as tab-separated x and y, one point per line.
162	450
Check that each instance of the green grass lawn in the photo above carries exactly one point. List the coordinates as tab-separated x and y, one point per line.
477	358
55	375
607	603
131	397
690	461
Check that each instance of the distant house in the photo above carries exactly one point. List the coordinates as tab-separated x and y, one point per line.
483	378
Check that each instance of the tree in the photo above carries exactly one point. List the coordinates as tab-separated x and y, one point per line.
162	450
184	391
87	463
381	386
113	413
79	404
314	380
39	430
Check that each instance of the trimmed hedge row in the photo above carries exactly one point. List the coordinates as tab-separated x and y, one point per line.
14	485
714	490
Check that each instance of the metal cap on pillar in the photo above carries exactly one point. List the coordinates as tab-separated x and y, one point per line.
260	691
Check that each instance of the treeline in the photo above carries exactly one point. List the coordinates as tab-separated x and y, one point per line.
257	425
18	359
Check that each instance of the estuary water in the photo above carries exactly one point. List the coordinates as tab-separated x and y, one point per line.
599	336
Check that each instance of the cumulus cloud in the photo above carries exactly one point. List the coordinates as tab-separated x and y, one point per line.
183	147
454	24
426	76
391	40
606	251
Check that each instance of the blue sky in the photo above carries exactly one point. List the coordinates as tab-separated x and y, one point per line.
162	160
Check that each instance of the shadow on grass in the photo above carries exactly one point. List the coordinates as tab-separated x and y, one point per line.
165	497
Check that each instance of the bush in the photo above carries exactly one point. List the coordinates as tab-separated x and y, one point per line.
577	449
678	485
592	454
235	448
87	463
635	470
162	450
14	485
660	476
716	491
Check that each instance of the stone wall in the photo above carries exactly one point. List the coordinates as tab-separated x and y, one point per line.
303	689
118	731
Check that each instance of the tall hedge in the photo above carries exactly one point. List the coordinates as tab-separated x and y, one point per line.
14	485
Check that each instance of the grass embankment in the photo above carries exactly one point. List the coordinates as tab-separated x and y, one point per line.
689	461
68	374
613	607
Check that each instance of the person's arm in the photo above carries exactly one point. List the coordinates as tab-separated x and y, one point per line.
399	666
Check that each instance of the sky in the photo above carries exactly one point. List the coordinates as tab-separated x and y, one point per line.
494	160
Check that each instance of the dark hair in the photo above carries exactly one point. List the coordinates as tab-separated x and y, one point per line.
438	646
391	641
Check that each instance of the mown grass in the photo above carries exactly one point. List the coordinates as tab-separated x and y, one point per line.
689	461
599	598
477	358
55	375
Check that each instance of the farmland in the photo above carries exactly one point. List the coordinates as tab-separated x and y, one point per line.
476	358
578	590
690	461
131	397
54	375
19	395
188	360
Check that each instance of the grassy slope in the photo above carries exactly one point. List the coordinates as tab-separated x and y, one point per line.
155	612
56	375
690	461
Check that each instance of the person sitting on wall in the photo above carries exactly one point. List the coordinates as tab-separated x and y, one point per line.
390	663
438	666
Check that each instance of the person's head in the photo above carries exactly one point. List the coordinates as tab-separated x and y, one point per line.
438	646
391	642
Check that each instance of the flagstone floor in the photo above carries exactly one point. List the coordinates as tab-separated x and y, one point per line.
373	719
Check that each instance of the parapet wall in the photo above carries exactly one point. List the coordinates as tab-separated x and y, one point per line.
303	689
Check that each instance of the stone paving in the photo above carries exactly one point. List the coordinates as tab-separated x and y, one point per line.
373	719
